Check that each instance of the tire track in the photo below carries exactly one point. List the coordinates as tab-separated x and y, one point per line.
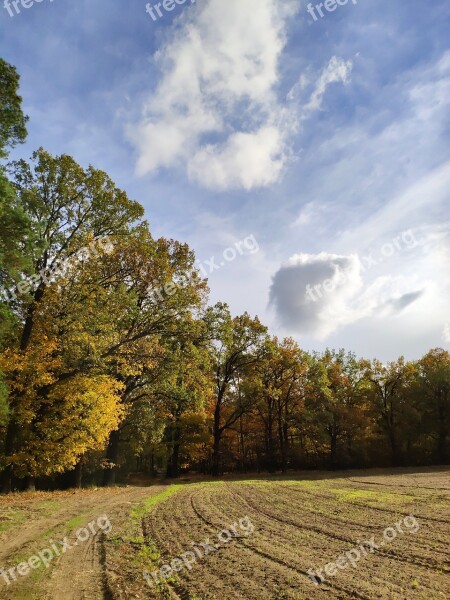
439	546
371	507
395	485
430	564
271	558
80	573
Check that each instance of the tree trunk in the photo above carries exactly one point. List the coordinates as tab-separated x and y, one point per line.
242	444
112	455
442	439
396	459
281	440
217	434
216	453
152	463
7	474
30	484
286	444
333	449
174	468
270	444
13	428
78	475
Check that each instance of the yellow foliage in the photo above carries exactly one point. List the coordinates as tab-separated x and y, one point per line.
77	416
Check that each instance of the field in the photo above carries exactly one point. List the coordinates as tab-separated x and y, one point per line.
252	538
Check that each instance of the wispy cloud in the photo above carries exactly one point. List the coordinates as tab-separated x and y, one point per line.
215	112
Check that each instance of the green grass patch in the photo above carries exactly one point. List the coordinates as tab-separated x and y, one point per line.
76	522
387	498
143	508
49	506
147	556
12	519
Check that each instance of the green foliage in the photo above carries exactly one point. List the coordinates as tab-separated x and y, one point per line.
12	120
14	223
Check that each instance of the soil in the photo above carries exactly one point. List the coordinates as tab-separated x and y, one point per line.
301	522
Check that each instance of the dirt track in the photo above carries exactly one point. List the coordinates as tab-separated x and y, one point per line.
78	573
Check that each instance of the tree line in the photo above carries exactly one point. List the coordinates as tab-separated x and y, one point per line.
100	376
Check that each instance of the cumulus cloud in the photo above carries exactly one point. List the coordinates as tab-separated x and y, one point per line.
300	300
319	294
215	111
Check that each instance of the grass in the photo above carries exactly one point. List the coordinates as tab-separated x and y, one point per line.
344	495
76	522
12	519
139	511
49	506
147	557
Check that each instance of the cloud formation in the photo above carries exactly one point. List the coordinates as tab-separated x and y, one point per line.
319	294
215	112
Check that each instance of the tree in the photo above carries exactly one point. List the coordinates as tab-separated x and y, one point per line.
185	390
14	232
236	344
58	418
279	385
335	404
12	120
390	384
68	208
162	289
433	383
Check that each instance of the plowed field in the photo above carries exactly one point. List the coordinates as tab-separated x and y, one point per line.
361	535
299	526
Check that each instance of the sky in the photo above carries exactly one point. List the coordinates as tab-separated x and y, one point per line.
302	151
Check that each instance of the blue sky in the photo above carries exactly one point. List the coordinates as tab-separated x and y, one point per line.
326	140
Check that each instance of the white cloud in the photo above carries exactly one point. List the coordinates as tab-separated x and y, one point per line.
220	70
320	294
384	180
308	214
300	300
337	70
246	160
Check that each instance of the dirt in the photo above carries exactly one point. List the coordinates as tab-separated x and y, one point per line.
78	573
300	523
